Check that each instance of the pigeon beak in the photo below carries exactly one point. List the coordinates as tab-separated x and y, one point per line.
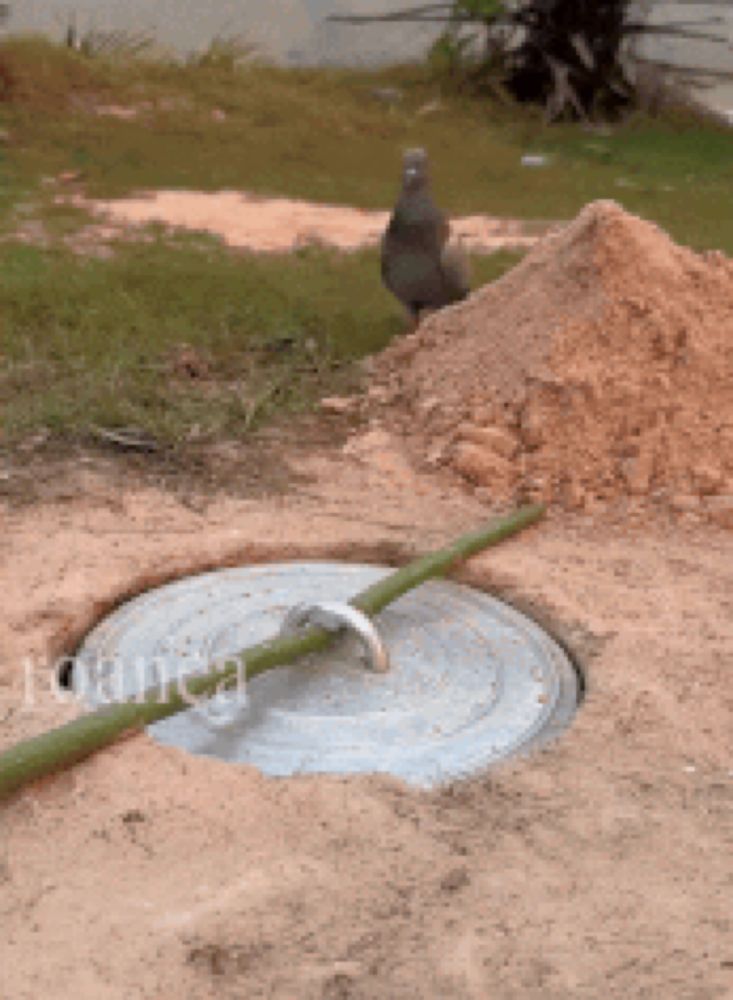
410	173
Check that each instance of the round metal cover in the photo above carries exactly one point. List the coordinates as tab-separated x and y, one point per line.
471	680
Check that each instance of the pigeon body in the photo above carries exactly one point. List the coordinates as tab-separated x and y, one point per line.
419	265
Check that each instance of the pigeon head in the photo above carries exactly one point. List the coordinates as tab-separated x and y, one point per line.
415	169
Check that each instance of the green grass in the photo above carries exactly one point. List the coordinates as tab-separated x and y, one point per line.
676	172
94	342
321	134
90	342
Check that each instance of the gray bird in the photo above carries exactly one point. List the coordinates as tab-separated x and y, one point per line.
419	264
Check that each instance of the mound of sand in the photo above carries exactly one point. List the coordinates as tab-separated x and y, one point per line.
600	368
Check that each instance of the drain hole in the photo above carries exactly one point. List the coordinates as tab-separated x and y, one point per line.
65	673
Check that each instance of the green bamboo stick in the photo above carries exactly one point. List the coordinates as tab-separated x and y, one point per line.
72	742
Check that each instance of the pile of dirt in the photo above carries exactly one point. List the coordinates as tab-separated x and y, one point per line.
599	370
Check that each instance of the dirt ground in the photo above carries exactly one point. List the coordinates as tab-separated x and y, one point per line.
600	867
277	225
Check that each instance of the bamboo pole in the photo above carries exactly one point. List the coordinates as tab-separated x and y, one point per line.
59	748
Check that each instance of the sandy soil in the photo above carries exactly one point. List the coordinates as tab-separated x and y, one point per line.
596	373
279	225
598	868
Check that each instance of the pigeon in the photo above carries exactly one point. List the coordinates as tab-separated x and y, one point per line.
419	264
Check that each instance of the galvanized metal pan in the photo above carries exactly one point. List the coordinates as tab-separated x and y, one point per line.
466	680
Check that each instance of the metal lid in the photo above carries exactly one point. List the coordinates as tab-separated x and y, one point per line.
471	680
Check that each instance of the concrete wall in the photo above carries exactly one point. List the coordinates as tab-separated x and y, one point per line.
290	31
705	56
296	31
